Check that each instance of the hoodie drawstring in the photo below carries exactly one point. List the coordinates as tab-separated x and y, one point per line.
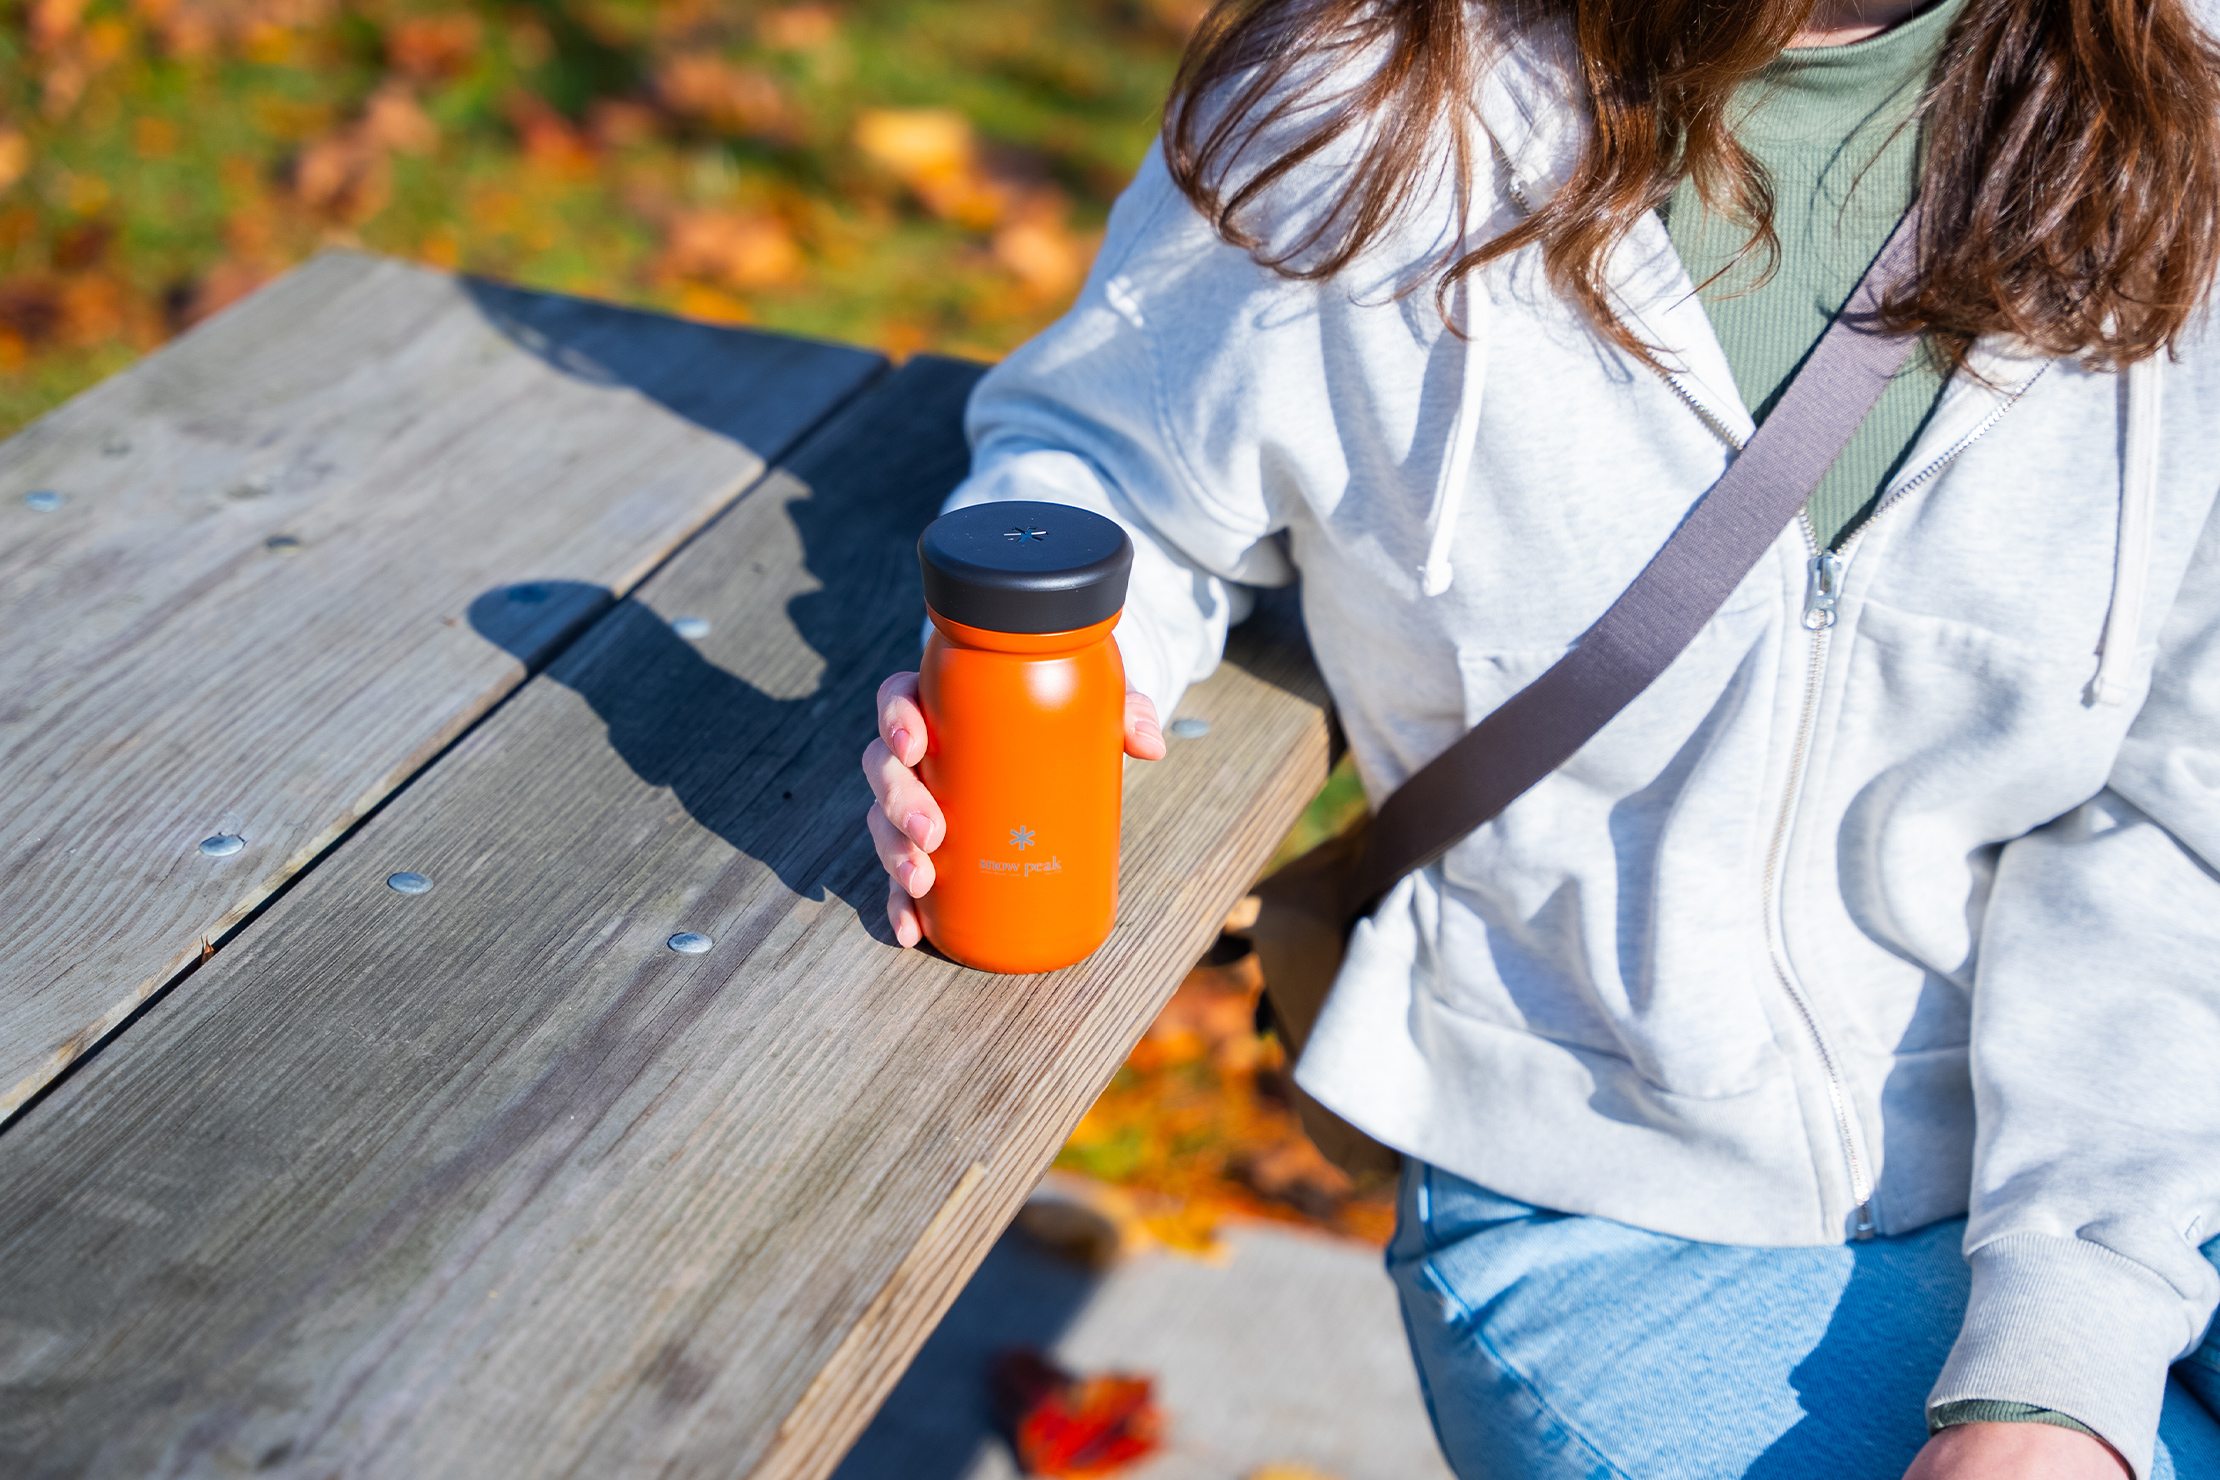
1456	464
2142	385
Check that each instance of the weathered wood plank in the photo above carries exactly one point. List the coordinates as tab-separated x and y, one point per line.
247	616
489	1178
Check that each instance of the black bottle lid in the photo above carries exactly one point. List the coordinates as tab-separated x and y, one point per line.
1025	567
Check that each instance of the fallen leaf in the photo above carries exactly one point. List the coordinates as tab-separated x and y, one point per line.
153	138
797	27
430	46
1043	255
549	140
220	287
1066	1427
714	93
393	119
737	249
53	22
93	310
934	152
15	156
343	176
618	123
30	308
82	245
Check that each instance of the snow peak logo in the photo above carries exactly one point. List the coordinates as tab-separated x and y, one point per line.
1022	838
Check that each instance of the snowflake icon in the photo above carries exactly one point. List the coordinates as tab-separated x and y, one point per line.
1021	837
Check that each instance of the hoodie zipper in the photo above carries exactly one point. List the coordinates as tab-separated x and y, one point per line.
1825	572
1822	590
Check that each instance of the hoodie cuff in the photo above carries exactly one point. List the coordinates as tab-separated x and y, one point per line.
2068	1325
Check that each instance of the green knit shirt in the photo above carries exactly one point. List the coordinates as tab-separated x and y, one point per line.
1832	127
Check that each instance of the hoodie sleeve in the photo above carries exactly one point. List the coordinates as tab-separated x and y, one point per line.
1078	416
2096	1070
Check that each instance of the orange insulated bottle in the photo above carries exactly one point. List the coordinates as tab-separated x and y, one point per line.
1024	700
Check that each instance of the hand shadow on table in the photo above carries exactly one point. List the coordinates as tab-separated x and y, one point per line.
770	776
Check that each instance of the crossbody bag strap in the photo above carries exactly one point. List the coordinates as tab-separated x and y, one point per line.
1728	531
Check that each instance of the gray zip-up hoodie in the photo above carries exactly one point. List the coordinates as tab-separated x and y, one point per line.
1895	898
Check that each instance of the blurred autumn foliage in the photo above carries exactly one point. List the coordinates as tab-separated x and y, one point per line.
916	174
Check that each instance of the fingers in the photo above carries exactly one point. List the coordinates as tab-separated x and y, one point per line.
901	722
904	821
907	806
1144	738
903	860
901	913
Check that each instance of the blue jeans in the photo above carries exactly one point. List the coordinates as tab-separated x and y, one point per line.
1552	1346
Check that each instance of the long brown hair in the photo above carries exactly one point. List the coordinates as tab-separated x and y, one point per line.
2071	177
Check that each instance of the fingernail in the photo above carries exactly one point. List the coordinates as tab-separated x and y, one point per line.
919	827
901	739
902	872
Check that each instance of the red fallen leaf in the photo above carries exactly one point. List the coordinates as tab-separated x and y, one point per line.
1071	1428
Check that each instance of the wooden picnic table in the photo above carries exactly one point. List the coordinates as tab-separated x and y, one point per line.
576	613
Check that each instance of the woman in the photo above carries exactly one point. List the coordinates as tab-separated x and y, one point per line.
1823	1058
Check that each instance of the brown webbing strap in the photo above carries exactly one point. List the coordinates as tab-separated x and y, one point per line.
1729	530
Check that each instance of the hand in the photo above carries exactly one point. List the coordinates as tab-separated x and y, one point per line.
2016	1451
905	821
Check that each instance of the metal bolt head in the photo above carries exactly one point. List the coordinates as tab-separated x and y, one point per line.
687	943
408	883
222	845
44	500
1189	729
528	593
693	629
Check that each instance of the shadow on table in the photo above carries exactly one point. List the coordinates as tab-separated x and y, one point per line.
939	1417
734	756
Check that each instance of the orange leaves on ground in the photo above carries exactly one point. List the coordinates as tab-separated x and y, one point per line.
797	27
1040	251
68	52
1072	1428
1198	1121
346	176
428	47
15	156
264	30
620	123
153	138
550	141
52	22
713	94
220	287
392	119
934	152
735	249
